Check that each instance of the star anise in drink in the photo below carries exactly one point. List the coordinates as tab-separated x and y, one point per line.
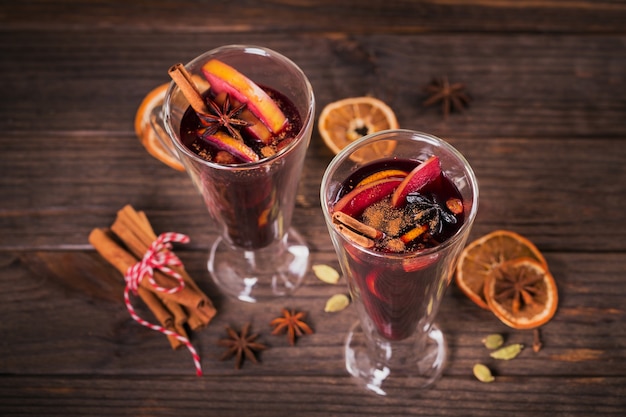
223	117
293	323
241	345
451	95
430	212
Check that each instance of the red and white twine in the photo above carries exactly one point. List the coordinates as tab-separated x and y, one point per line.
159	256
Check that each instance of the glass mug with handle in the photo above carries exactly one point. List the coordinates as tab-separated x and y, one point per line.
250	189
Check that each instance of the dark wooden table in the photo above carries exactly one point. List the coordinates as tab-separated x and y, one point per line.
545	133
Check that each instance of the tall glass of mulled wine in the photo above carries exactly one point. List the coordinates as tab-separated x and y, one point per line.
398	223
244	153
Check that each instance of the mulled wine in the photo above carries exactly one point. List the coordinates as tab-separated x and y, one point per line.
248	201
192	127
397	207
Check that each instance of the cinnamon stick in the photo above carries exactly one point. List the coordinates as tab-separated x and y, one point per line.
179	313
135	230
355	237
122	260
357	226
183	80
162	315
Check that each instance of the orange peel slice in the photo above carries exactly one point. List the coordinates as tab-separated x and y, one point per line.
145	133
344	121
481	256
521	293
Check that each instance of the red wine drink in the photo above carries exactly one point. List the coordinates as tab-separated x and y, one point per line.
239	118
247	208
394	294
398	223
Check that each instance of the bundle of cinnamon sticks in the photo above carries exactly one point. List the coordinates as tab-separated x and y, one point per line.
123	245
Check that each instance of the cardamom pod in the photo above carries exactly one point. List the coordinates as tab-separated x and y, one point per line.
482	373
493	341
337	303
508	352
326	273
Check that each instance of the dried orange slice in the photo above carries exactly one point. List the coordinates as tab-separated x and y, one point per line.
146	134
344	121
521	293
481	256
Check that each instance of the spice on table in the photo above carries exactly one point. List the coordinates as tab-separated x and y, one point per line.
537	342
493	341
129	239
522	293
508	352
337	303
241	345
482	255
134	229
293	323
482	373
451	95
163	315
326	273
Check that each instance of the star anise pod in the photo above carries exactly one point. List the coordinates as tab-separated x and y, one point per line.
223	117
241	345
519	285
293	323
451	96
424	210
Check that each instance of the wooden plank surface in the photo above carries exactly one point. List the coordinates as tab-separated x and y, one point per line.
545	133
352	16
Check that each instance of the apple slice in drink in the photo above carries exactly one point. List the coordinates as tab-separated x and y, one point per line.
360	198
224	78
255	127
229	144
421	175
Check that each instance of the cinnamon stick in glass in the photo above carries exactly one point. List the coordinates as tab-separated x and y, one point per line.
183	80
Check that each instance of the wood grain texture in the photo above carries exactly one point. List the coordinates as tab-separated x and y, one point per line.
373	16
523	86
87	319
301	395
545	134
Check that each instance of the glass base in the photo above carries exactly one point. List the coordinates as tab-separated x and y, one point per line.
395	369
257	275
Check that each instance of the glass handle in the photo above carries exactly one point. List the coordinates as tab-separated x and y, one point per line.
157	125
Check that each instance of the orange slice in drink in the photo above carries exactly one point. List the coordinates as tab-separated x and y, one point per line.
521	293
481	256
146	134
344	121
381	175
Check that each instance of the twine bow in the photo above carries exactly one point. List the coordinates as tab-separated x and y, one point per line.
159	256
